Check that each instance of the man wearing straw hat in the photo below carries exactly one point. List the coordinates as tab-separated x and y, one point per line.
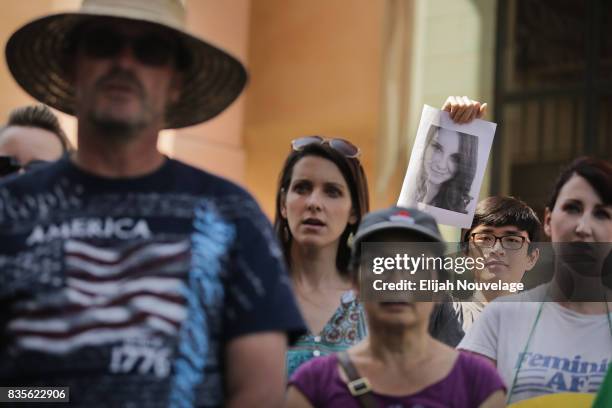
127	276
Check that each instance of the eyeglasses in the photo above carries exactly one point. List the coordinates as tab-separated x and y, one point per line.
10	165
150	49
344	147
486	240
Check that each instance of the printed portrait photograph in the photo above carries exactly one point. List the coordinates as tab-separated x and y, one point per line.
447	169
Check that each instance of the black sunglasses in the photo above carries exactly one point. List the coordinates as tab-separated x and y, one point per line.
150	49
344	147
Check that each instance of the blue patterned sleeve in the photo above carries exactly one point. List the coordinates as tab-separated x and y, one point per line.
259	294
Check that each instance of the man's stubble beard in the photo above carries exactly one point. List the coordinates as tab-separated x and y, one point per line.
114	126
120	129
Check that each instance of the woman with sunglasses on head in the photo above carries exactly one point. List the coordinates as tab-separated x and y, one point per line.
557	337
321	198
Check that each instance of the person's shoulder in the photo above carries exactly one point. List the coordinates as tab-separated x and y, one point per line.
478	370
205	181
474	363
528	297
34	180
318	379
512	308
225	195
481	374
539	293
319	367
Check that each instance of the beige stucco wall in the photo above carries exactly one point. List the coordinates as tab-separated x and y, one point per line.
217	144
316	70
14	14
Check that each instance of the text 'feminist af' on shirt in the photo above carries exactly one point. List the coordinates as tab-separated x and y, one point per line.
568	352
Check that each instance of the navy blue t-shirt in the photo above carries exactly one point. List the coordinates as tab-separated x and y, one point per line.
128	290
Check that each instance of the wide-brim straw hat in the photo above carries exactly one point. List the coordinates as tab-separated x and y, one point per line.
211	82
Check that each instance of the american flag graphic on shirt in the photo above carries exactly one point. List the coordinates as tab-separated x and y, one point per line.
110	294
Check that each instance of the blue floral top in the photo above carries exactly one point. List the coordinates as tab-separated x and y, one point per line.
346	327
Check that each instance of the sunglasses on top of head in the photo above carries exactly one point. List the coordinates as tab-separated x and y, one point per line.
342	146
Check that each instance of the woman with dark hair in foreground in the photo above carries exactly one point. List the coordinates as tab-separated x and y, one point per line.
557	337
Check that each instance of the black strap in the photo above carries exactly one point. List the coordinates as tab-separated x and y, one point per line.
358	386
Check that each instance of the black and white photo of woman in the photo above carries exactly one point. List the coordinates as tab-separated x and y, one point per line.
447	169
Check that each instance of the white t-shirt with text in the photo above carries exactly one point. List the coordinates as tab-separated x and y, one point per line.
568	351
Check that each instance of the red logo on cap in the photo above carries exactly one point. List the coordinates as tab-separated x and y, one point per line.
402	216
